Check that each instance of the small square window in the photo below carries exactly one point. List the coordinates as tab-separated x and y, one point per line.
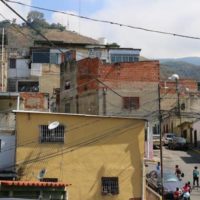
55	135
110	185
131	102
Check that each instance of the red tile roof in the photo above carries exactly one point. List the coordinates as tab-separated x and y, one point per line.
33	183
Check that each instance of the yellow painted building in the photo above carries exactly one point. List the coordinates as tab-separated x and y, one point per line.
102	157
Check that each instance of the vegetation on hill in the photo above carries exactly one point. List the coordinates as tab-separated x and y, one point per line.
183	69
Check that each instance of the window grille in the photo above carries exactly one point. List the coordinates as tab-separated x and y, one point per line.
131	102
55	135
110	185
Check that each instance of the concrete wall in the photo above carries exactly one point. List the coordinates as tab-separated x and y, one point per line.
7	151
196	128
21	70
34	101
94	147
146	91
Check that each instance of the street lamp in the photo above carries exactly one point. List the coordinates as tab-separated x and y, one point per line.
175	77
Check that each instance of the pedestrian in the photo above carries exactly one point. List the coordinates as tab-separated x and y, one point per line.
195	176
186	188
177	194
189	185
158	167
186	191
178	172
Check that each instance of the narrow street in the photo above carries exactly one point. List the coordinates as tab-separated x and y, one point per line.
186	160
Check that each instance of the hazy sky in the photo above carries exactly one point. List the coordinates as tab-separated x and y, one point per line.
176	16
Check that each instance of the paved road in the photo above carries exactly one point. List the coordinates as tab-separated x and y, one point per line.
186	160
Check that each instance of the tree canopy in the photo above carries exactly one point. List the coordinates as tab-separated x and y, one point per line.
37	20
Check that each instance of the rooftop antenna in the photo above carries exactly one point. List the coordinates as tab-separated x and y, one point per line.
53	125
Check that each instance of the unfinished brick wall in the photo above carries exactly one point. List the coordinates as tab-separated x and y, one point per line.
89	70
34	101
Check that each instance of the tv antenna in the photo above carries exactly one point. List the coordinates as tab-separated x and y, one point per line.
53	125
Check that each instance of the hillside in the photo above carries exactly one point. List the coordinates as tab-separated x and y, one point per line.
183	69
190	60
23	37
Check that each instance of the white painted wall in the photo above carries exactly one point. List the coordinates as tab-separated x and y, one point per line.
196	127
21	70
7	153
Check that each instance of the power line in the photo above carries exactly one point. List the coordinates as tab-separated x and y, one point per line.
37	31
107	22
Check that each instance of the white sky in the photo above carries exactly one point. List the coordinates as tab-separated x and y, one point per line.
8	14
176	16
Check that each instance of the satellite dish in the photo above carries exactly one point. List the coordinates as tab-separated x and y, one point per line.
42	173
53	125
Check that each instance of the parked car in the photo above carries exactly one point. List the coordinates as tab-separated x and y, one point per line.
178	143
167	137
170	182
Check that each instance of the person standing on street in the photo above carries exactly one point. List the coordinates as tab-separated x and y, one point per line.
196	176
158	167
178	172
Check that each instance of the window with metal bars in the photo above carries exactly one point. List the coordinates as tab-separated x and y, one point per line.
131	103
55	135
110	185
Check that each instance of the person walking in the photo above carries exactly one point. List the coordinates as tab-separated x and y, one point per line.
177	194
178	172
195	176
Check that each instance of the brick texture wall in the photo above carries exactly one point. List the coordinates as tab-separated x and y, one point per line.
89	70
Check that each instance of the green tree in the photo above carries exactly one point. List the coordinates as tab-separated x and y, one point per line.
36	19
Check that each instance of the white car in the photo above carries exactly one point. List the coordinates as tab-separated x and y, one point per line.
167	137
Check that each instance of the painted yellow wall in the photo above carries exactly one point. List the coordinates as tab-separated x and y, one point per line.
94	147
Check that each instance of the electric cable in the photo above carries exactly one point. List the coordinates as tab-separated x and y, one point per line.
106	21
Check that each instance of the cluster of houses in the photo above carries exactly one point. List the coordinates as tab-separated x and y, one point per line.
105	101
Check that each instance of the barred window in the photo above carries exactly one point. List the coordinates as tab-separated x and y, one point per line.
110	185
55	135
131	103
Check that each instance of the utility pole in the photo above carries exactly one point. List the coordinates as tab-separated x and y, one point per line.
178	105
2	61
160	132
104	101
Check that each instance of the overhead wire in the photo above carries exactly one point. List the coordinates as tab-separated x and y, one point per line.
116	131
106	21
99	21
36	30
